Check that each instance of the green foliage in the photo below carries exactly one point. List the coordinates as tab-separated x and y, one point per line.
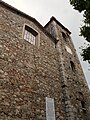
85	31
84	5
87	17
78	4
86	54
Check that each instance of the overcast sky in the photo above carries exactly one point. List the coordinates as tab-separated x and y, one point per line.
42	10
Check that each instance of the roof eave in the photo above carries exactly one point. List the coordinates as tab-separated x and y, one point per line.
13	9
53	18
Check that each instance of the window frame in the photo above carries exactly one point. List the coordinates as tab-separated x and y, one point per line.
33	32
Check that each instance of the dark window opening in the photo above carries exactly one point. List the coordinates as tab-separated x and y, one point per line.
83	106
72	66
68	36
64	36
30	35
56	44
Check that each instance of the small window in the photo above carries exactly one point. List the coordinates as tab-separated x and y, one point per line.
83	104
68	36
56	43
30	35
64	36
72	66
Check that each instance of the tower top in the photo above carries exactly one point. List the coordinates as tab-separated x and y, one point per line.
54	19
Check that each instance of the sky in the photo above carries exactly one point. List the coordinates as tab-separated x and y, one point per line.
43	10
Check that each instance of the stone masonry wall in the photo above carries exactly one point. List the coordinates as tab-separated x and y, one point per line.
27	74
73	84
30	73
79	92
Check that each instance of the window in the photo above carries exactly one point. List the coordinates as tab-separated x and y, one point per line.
30	35
83	104
64	36
72	66
56	43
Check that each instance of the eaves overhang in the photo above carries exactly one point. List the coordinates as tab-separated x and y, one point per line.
54	19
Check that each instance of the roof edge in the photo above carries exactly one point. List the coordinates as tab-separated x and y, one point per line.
53	18
13	9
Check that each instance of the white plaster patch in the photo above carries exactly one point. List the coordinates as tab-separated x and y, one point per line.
68	50
50	110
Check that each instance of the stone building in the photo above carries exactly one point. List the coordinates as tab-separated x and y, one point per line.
40	74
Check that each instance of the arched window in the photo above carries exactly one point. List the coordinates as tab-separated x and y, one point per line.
72	66
30	35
